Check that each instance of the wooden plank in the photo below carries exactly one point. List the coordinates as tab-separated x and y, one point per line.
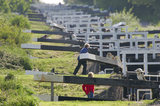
105	60
60	41
52	91
48	78
58	48
64	98
96	81
51	32
151	31
30	46
35	16
40	20
48	47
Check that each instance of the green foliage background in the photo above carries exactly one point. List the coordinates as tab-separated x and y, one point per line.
145	10
19	6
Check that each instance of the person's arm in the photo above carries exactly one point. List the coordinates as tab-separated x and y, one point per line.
83	87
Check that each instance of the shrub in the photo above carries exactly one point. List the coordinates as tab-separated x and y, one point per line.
11	31
20	21
22	101
15	94
20	6
9	77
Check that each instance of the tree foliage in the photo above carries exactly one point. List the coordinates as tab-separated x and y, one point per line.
125	16
20	21
145	10
150	10
20	6
11	31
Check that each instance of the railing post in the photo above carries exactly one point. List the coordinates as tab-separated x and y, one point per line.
52	91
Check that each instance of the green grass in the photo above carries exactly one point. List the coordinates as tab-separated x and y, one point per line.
15	72
63	62
35	25
89	103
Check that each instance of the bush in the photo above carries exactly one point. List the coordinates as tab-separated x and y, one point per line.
15	94
9	77
20	6
22	101
20	21
11	31
125	16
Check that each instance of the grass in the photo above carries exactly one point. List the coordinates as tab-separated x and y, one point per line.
15	72
63	62
35	25
89	103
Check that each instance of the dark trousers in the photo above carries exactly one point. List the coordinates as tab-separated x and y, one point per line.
90	95
81	62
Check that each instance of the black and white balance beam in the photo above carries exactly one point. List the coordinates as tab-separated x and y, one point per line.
48	47
51	32
96	81
105	60
64	98
58	41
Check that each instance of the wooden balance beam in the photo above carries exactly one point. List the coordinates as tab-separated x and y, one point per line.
51	32
48	47
59	41
96	81
105	60
56	48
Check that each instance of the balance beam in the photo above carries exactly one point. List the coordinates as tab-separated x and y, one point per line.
56	48
105	60
51	32
96	81
48	47
59	41
63	98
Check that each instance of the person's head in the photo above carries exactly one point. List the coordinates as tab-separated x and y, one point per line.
86	45
90	74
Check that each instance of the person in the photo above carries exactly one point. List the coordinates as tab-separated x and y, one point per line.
89	89
82	62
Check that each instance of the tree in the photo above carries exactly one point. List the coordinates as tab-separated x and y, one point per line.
20	21
20	6
150	10
4	6
11	31
145	10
